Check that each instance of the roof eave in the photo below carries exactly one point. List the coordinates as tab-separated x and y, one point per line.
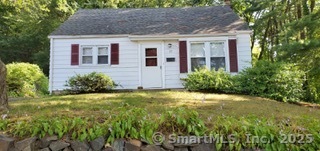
153	37
86	36
244	31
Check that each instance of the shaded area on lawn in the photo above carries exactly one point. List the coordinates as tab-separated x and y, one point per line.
209	106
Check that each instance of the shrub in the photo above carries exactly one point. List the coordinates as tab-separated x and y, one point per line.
279	81
210	81
313	89
92	82
26	80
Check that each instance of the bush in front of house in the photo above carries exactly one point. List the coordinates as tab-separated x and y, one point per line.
92	82
278	81
26	80
209	81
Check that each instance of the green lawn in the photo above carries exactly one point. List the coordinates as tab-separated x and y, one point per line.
209	106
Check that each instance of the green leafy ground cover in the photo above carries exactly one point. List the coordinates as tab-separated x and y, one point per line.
140	114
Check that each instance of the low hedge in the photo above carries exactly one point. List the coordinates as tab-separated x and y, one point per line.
278	81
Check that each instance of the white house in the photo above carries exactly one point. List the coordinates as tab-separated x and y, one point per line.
148	48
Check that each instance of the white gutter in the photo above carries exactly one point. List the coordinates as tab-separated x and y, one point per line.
244	31
86	36
152	37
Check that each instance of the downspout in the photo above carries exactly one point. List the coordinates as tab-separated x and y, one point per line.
51	67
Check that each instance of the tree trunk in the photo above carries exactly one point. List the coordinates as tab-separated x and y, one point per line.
3	87
312	5
264	41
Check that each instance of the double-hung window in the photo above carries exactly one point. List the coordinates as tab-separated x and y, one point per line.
95	55
217	55
87	55
103	55
208	54
198	55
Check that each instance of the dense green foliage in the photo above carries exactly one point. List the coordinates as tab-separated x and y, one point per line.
288	31
25	26
136	123
132	123
92	82
279	81
26	80
209	81
266	133
231	133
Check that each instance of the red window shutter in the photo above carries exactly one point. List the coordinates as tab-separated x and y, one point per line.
233	56
74	54
114	54
183	57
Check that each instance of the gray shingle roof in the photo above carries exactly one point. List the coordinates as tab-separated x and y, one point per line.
152	21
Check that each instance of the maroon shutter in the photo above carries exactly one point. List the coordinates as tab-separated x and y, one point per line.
74	54
233	56
114	54
183	57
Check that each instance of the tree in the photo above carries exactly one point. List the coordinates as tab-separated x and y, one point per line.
3	87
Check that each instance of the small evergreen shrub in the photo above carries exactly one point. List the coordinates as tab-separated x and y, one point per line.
26	80
92	82
209	81
279	81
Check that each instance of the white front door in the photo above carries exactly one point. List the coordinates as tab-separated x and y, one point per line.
151	76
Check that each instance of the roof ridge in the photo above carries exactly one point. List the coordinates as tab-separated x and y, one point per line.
184	7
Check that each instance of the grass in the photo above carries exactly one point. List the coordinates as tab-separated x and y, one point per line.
209	106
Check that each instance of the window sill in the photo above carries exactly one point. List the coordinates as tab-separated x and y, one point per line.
94	65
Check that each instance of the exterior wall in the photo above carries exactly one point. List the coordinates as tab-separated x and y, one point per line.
172	69
125	74
244	51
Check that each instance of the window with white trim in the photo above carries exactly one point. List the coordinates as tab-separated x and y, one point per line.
103	57
217	56
95	55
198	55
87	55
208	54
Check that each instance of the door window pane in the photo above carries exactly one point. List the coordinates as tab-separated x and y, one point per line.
151	52
197	50
217	49
151	62
197	63
217	62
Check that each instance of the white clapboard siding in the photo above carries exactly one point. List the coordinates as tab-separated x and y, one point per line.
172	76
244	51
125	74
